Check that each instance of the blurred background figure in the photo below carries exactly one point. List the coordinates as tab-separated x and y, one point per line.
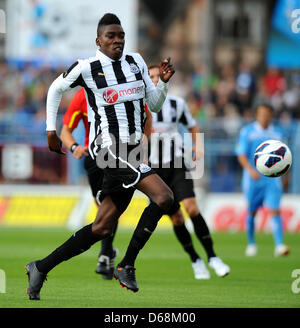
258	189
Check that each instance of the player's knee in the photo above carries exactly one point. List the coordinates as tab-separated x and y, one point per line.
192	212
177	218
102	230
191	207
165	199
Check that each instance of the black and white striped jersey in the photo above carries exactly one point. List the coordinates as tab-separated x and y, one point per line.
166	141
116	92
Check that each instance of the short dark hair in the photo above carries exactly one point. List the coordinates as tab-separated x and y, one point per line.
265	104
108	19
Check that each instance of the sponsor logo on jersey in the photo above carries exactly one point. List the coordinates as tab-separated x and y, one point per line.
144	168
131	91
134	69
110	96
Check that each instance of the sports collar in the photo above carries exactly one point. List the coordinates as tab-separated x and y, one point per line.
260	128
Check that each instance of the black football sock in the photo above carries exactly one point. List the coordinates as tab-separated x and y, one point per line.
185	239
78	243
142	233
107	244
202	232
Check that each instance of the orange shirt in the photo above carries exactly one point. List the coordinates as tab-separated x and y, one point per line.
77	111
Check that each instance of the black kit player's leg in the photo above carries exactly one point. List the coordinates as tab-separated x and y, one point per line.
200	227
107	244
161	202
183	235
202	232
78	243
107	256
83	239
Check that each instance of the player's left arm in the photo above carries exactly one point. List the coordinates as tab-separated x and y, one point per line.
155	96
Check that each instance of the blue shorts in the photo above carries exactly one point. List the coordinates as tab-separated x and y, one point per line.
268	194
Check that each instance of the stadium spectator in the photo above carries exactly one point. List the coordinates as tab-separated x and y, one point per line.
245	88
274	81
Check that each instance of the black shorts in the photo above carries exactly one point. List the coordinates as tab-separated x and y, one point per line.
122	174
176	179
95	177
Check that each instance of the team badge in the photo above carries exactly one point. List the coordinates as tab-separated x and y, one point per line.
134	69
144	168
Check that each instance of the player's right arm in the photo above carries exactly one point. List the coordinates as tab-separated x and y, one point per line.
77	111
66	81
241	151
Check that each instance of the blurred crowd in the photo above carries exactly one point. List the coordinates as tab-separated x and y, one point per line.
23	93
221	102
225	100
226	93
240	91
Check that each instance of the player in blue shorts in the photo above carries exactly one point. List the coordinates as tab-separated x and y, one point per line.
258	189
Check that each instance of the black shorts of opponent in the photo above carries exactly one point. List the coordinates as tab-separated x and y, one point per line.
180	182
123	169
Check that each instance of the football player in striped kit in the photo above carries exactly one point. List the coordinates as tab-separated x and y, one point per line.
170	166
117	86
76	112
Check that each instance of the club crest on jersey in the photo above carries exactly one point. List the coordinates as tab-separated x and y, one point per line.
134	69
110	96
144	168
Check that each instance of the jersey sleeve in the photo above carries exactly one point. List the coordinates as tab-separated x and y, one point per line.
155	96
76	110
67	80
242	143
186	117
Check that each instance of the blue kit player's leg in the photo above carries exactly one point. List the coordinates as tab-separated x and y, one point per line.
272	201
255	195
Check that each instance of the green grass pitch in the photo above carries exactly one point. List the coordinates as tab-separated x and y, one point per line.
164	274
